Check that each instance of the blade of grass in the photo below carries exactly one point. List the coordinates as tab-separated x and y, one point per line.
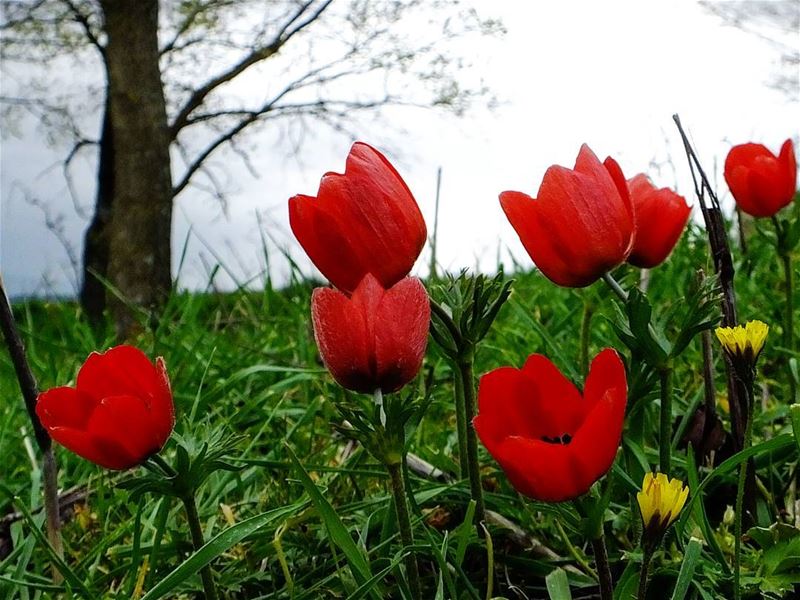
222	542
558	585
336	529
687	569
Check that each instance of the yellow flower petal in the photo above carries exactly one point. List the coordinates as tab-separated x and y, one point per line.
661	500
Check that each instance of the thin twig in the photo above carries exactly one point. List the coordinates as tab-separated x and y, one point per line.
27	384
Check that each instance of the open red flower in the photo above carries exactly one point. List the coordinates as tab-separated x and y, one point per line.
374	339
553	443
660	216
119	413
365	221
761	183
581	224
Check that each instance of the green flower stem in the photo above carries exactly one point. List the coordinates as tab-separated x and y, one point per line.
195	529
579	558
404	525
586	329
198	541
603	568
748	437
615	287
473	466
461	423
665	442
644	573
788	320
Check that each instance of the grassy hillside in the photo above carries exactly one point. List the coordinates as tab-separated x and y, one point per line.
246	363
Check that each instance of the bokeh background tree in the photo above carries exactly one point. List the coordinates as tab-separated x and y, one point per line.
161	90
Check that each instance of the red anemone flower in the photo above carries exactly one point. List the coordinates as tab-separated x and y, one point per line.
660	216
374	339
119	413
581	224
761	183
553	443
365	221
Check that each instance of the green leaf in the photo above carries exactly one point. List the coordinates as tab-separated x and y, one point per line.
558	585
775	444
687	569
465	532
223	542
794	410
336	529
69	575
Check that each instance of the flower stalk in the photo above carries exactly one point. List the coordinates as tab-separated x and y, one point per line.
660	500
586	330
186	494
737	548
784	251
473	465
462	425
198	541
644	572
665	445
743	345
397	482
30	392
603	567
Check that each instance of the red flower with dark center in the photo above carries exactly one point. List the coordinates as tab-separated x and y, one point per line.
553	443
374	339
365	221
660	216
119	413
761	183
581	224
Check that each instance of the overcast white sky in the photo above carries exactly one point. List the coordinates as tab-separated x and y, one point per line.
607	73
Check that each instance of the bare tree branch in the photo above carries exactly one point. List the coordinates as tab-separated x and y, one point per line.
83	21
286	32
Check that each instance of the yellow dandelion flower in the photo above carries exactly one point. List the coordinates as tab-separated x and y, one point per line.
661	501
744	342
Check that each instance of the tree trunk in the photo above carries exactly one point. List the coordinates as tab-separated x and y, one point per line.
95	246
139	232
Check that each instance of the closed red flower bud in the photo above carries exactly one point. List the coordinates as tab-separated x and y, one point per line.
761	183
581	224
660	216
119	413
553	443
365	221
374	339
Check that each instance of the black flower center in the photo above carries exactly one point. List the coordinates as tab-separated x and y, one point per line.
563	439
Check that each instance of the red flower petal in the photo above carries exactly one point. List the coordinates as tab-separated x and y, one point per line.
596	442
122	370
376	338
323	238
401	327
535	402
525	414
542	471
581	224
126	421
550	254
341	336
364	221
555	404
661	216
64	407
107	453
761	183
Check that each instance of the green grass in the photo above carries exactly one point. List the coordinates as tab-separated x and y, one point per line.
247	362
